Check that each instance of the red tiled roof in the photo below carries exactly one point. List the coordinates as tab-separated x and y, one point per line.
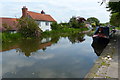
39	16
12	22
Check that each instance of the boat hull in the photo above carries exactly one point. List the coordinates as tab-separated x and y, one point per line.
100	39
99	44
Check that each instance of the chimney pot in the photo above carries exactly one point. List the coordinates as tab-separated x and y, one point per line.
42	12
24	11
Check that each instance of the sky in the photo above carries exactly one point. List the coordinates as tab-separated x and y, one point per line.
60	10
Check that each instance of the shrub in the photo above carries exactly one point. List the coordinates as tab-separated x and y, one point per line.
54	26
93	20
28	27
77	22
10	37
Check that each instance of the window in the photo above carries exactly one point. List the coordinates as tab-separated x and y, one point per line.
39	23
47	23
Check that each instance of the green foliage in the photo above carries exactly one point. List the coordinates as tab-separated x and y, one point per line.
115	19
93	20
65	25
74	23
8	37
77	22
63	32
114	7
118	28
6	27
54	26
93	24
104	24
28	27
27	46
76	37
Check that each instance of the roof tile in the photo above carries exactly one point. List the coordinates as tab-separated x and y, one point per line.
39	16
12	22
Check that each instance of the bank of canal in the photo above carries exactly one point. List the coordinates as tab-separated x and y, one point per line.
107	64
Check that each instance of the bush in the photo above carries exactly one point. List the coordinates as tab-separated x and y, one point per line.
77	22
10	37
115	19
54	26
28	27
93	20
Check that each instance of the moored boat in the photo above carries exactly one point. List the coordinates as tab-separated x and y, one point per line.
101	34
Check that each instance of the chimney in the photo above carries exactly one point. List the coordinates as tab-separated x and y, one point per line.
42	12
24	11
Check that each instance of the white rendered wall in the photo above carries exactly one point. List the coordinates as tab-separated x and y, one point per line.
43	26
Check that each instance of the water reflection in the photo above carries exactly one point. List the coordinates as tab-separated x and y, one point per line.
76	38
27	46
99	46
51	57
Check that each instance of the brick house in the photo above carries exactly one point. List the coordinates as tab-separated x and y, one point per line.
8	24
43	20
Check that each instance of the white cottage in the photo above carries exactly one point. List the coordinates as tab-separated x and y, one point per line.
43	20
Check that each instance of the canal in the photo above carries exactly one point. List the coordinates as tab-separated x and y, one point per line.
52	57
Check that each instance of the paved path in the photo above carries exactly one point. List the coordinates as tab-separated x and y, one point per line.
107	64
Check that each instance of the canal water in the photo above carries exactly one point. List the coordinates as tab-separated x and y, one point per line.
51	57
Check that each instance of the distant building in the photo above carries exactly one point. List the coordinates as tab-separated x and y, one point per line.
8	24
42	19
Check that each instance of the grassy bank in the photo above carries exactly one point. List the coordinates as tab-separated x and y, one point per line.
8	37
118	28
63	32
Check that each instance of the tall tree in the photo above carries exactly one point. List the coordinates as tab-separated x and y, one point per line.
93	20
115	19
114	7
77	22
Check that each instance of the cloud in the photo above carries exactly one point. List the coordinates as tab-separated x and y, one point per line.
61	10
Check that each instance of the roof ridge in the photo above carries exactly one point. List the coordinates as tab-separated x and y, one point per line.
37	13
7	18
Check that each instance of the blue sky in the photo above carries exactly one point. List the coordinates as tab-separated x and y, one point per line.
60	10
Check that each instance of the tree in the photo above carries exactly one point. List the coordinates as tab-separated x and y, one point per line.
54	26
114	7
7	27
28	27
93	20
77	22
115	19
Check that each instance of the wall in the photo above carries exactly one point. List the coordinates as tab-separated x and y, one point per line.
44	25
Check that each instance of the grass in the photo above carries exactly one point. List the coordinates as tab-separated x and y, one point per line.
118	28
63	32
8	37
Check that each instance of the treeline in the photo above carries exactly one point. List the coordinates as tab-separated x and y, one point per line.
114	8
76	23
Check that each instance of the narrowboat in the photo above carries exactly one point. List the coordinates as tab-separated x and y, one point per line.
101	34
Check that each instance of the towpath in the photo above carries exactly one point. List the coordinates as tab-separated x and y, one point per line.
106	67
